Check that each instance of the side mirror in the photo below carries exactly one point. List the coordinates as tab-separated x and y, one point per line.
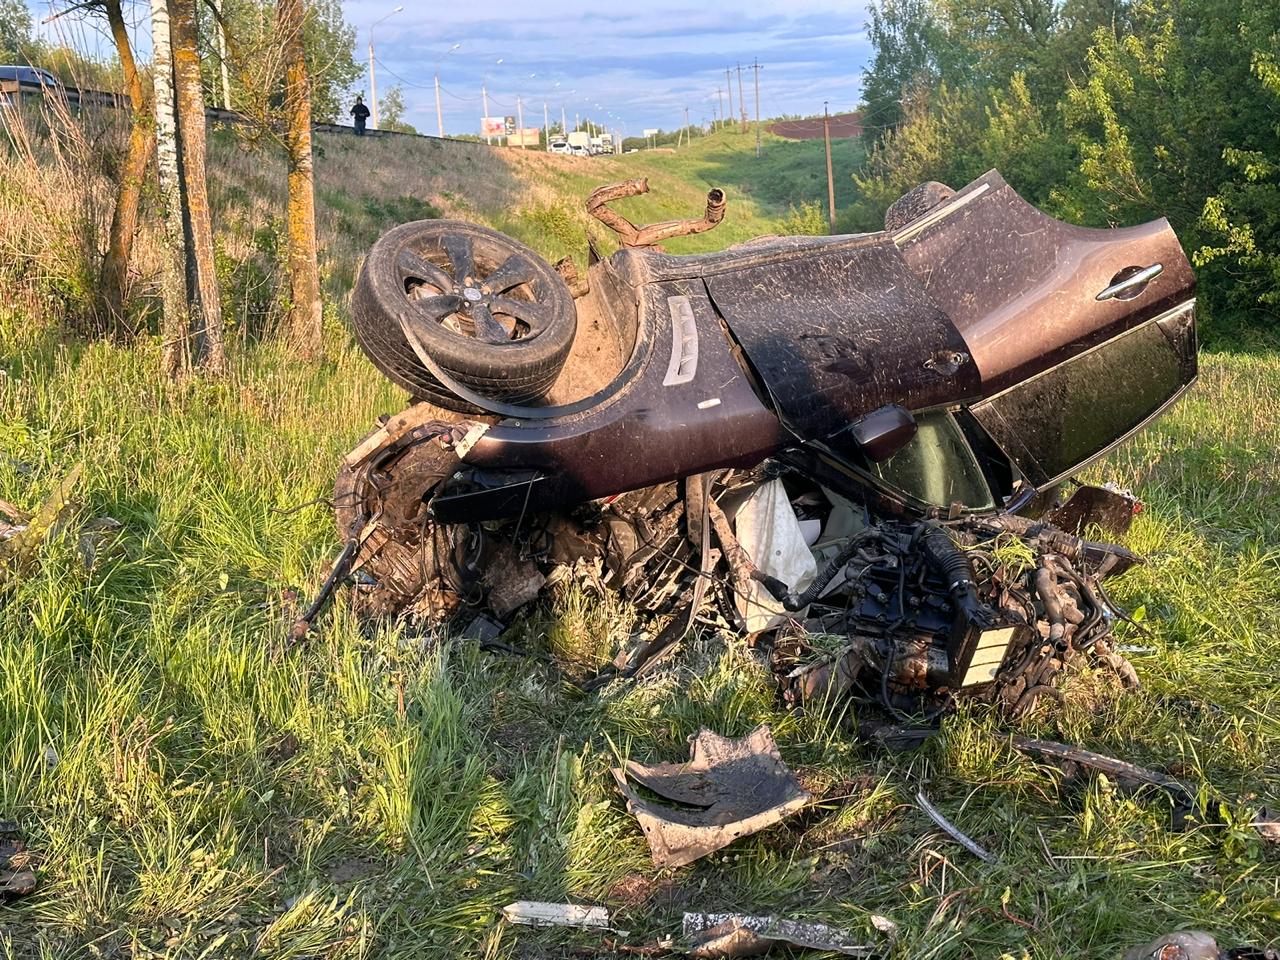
882	433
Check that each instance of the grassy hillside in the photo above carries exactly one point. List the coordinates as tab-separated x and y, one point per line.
193	787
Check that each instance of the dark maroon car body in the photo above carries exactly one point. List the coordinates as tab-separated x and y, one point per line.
995	349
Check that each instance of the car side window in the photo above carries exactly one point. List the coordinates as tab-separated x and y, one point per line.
937	466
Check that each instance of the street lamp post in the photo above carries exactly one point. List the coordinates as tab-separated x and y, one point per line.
439	112
373	81
484	97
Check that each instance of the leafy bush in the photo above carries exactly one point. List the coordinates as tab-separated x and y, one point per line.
808	219
1159	108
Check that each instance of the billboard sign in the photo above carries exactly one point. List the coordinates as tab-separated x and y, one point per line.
528	137
493	127
652	132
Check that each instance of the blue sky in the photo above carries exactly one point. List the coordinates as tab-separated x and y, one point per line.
642	62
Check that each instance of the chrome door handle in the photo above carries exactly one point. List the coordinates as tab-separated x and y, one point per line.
1139	279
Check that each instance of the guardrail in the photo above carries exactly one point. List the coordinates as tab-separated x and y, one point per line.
11	90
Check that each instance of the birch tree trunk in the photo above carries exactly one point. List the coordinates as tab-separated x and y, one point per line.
114	280
306	311
207	340
175	326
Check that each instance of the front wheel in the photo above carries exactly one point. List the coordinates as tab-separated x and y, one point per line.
487	310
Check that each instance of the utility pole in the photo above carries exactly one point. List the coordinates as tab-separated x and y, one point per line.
546	127
688	129
728	83
484	96
755	66
564	122
742	101
720	101
831	183
373	85
373	80
439	112
519	120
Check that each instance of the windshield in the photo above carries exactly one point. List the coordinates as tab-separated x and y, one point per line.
937	466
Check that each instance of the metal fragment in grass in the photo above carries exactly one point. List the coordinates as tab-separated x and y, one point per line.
728	789
936	816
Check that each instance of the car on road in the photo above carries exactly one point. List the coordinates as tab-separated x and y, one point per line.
29	75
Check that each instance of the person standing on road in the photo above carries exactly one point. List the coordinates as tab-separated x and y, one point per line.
361	113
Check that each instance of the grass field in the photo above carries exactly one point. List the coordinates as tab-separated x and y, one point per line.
192	787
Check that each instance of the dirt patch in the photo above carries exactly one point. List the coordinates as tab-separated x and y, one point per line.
810	128
353	869
637	889
594	360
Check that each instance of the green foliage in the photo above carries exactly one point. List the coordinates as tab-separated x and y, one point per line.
807	219
255	67
391	112
904	36
1103	112
15	28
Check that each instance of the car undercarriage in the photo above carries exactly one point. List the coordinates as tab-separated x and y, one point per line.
857	451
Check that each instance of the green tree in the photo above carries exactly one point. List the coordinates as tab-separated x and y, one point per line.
15	27
905	35
256	63
391	112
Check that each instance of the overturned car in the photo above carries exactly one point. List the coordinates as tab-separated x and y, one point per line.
852	447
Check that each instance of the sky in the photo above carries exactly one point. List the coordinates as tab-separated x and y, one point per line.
642	63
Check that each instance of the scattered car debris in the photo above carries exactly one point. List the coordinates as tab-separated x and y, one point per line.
1187	800
1110	509
728	789
94	536
948	827
17	875
711	935
538	913
1071	759
1182	945
1196	945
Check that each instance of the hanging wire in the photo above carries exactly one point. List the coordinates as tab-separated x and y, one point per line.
407	83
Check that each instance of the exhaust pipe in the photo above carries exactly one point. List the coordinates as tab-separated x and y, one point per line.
629	235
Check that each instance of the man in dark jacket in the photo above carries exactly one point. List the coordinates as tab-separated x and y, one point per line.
361	113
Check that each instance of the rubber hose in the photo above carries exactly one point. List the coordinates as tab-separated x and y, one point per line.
956	569
793	602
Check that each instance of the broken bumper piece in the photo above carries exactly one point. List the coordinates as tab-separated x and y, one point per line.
728	789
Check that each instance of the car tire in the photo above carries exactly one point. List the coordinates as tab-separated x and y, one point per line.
915	203
488	311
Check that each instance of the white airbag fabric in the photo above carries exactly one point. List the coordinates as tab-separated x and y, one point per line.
768	530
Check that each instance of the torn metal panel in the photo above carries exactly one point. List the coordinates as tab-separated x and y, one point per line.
728	789
1112	511
838	334
712	935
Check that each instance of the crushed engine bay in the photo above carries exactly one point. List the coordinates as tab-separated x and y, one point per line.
906	613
